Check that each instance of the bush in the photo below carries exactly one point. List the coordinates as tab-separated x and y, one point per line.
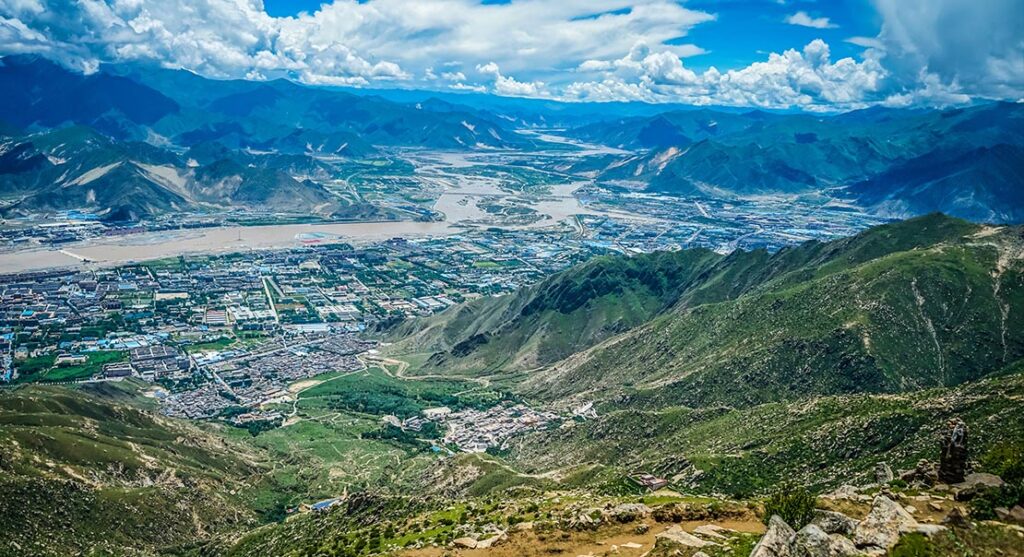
983	505
793	504
1007	462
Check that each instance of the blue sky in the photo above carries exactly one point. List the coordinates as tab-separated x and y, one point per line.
797	54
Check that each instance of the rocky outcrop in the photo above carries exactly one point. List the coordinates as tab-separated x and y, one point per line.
976	483
628	512
926	473
833	534
883	473
676	537
834	523
776	540
953	452
882	527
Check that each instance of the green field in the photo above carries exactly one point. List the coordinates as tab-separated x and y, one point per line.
42	369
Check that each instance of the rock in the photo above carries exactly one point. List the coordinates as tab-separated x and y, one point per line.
676	536
585	520
883	474
842	547
844	492
468	543
775	542
976	483
524	526
957	519
628	512
491	541
926	473
953	452
1016	514
929	529
700	554
810	541
935	506
642	528
881	528
834	523
710	531
631	545
910	509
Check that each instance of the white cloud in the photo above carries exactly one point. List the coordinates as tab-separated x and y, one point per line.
929	51
509	86
802	19
456	77
806	79
970	47
866	42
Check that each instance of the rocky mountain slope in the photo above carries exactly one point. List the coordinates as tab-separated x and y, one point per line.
78	168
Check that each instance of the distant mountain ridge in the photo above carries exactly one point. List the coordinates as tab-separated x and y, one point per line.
134	103
968	160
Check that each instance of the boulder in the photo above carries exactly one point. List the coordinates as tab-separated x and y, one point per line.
675	536
957	519
775	542
491	541
882	527
883	474
925	473
834	523
842	547
468	543
976	483
810	541
1016	514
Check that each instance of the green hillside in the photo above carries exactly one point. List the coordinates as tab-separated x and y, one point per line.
564	314
927	302
81	472
823	442
933	301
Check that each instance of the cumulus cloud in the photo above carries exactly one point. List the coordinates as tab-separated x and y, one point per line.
928	51
802	19
509	86
345	41
806	78
963	46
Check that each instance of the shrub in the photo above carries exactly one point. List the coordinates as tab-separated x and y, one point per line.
983	505
793	504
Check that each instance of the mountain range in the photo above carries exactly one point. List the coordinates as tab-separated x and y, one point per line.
899	162
964	162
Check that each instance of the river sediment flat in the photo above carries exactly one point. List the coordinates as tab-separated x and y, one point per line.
157	245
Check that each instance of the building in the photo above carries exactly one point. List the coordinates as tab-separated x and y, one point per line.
648	481
118	369
435	414
158	361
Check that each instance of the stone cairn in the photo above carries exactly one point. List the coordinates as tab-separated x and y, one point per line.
953	452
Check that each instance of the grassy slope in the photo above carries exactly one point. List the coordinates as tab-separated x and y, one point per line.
80	472
901	307
820	442
544	323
